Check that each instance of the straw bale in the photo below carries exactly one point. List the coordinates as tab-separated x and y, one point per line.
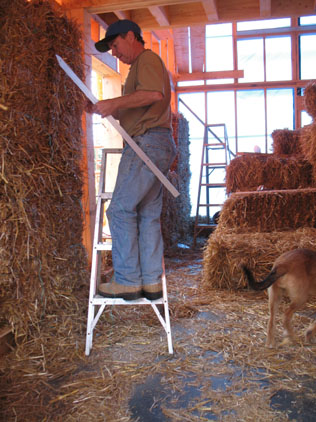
286	142
310	98
308	145
227	250
42	257
267	211
250	171
176	211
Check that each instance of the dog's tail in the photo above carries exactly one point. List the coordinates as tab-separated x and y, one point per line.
262	285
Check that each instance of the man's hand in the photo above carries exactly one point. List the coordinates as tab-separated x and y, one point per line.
103	107
106	107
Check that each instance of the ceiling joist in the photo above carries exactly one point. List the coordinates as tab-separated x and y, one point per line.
122	14
265	8
211	11
160	14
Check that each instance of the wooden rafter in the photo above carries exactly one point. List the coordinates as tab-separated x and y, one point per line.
160	13
265	8
122	14
211	11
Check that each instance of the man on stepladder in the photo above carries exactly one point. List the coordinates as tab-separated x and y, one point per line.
135	208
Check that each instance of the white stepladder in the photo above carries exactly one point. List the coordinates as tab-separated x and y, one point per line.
97	303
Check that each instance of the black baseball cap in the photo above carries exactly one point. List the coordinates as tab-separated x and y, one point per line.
119	27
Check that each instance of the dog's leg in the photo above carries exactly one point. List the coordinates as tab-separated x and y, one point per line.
275	296
294	306
310	332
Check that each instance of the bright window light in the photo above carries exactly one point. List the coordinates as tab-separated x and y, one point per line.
278	59
219	47
264	24
250	60
308	20
308	56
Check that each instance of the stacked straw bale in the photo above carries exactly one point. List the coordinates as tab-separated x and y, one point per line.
42	257
287	142
175	219
250	171
226	251
268	211
256	227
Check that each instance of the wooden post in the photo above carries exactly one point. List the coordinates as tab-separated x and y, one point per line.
89	197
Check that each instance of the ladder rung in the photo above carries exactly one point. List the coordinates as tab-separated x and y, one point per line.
217	165
100	300
206	225
214	185
210	205
215	145
105	195
103	246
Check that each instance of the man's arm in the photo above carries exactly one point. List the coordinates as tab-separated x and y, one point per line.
136	99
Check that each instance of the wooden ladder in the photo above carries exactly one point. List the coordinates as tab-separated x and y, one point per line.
98	303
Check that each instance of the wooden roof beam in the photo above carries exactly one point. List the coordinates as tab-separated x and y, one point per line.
210	9
265	8
123	14
160	13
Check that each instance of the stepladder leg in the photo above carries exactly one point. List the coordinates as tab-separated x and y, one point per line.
89	335
166	309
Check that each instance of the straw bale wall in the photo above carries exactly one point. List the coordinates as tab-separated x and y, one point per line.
251	171
175	219
42	257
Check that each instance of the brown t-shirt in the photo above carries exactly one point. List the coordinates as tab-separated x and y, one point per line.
147	73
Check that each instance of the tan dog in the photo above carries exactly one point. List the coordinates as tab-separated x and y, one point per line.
293	273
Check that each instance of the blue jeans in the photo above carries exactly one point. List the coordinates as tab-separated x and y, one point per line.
135	209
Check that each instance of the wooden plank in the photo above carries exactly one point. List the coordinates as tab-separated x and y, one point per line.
181	48
196	76
119	128
265	8
122	14
160	13
197	40
211	11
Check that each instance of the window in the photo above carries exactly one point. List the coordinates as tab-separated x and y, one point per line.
219	47
278	59
308	20
308	56
264	24
221	109
280	111
250	120
250	59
